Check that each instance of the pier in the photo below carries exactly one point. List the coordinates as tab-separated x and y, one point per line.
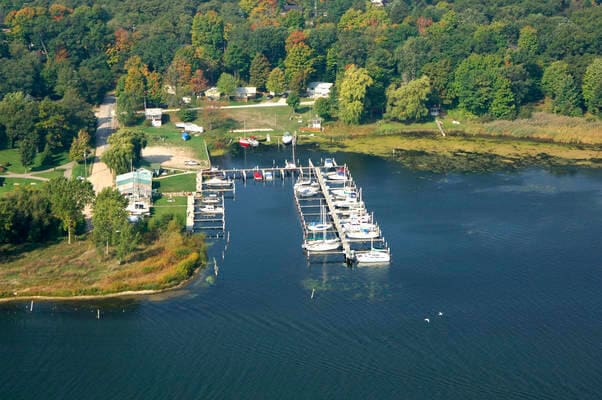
315	194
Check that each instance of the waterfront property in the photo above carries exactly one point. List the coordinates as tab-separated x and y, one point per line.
137	187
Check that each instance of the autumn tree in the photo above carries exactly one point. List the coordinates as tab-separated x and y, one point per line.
198	83
352	93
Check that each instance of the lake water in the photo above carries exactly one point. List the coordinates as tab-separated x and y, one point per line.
512	260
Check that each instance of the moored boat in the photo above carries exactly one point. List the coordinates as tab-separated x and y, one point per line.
322	245
374	256
287	138
244	142
253	141
268	176
257	175
211	209
217	182
363	234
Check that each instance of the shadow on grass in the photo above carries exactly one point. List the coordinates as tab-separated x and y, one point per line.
11	252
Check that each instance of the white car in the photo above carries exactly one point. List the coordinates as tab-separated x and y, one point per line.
191	162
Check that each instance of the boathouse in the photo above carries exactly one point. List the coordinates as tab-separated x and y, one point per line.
137	187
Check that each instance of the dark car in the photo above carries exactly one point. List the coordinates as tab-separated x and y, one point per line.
269	97
284	95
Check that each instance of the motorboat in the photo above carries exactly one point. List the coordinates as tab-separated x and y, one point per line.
363	233
217	182
257	175
289	165
344	193
355	218
374	256
287	138
211	209
268	176
253	141
322	245
211	198
328	163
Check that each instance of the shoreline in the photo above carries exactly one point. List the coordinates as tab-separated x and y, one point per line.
127	293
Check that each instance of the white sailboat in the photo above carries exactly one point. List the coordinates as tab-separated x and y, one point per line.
323	244
322	225
363	233
374	256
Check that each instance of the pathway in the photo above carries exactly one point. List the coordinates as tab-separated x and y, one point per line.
101	176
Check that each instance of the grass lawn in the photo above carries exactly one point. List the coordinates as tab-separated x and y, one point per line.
79	170
169	135
170	205
177	183
10	184
61	269
52	174
13	157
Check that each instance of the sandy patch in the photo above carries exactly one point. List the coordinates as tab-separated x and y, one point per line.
171	157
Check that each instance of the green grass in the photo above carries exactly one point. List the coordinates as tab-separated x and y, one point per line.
13	157
80	170
177	183
177	206
10	184
55	173
169	135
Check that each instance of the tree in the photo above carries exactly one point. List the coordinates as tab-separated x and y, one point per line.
407	102
299	61
111	225
68	198
352	93
227	84
27	151
125	150
18	115
503	105
475	82
293	101
259	71
208	34
592	86
276	82
80	148
559	84
198	83
212	113
322	108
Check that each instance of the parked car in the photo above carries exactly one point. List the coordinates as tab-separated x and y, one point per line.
269	97
191	162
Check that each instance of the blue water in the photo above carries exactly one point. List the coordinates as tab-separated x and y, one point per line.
512	260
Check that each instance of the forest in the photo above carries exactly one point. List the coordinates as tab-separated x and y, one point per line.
493	59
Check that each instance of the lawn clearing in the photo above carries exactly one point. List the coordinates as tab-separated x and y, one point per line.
13	157
185	182
10	184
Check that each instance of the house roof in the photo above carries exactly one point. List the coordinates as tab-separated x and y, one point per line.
322	85
141	176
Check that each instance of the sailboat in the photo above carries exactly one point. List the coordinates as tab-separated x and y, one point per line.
287	138
321	244
322	225
374	256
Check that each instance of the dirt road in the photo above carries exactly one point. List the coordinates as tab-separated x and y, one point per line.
101	176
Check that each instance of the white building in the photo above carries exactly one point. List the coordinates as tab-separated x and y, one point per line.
154	115
137	187
318	89
246	93
190	127
213	93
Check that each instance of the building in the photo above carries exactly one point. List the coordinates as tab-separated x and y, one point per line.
190	127
318	89
154	115
137	187
246	93
378	3
213	93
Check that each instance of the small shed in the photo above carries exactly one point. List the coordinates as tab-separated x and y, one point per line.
185	136
246	93
213	93
154	115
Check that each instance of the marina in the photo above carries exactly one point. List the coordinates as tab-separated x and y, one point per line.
334	220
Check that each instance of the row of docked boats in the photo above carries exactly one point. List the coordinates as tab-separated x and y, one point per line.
356	224
252	141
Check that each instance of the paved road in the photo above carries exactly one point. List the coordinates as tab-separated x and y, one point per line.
101	176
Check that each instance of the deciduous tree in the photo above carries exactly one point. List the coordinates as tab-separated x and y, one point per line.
68	198
407	102
592	86
276	82
352	93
